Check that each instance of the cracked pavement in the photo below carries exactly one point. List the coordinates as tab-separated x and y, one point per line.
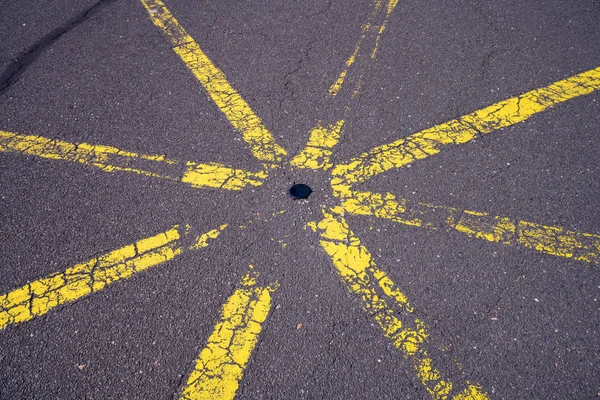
523	324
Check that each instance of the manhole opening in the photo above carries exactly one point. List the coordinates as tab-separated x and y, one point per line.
300	191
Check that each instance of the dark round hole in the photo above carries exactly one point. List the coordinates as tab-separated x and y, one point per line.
300	191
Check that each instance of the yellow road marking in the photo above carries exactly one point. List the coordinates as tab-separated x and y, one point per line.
462	130
39	297
111	159
317	153
390	7
323	138
230	102
220	176
221	363
390	308
546	239
367	27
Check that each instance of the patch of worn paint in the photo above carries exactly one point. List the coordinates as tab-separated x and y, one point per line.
219	176
428	142
112	159
368	27
318	150
230	102
384	301
390	7
546	239
107	158
40	296
221	364
202	240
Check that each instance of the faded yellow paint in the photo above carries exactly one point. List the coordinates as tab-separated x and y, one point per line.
317	153
108	159
202	240
471	392
546	239
221	363
112	159
216	175
390	7
385	302
462	130
230	102
42	295
367	27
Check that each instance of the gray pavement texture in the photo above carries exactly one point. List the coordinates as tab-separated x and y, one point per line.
522	324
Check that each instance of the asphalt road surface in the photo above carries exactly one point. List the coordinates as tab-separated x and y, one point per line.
150	248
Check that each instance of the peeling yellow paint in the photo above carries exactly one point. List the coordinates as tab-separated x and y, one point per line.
202	240
428	142
221	363
40	296
108	159
367	27
317	153
384	301
546	239
230	102
216	175
390	7
112	159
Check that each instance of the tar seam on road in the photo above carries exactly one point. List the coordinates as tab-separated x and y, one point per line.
40	296
220	366
16	69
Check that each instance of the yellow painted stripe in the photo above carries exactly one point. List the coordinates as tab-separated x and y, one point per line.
40	296
111	159
230	102
221	364
546	239
317	153
215	175
388	305
368	27
390	7
323	138
462	130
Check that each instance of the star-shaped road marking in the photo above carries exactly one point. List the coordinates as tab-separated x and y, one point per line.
221	363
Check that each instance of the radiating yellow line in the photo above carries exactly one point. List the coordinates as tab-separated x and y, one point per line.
546	239
230	102
390	7
215	175
221	363
367	27
462	130
323	138
111	159
390	308
40	296
317	153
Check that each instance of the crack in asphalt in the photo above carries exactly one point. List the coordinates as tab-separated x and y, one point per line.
18	66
